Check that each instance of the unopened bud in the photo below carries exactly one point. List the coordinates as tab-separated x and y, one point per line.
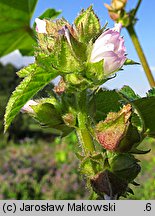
27	107
60	88
118	4
115	8
109	47
69	119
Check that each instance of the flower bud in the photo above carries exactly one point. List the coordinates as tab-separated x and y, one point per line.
69	119
60	88
118	4
40	26
115	8
110	48
27	107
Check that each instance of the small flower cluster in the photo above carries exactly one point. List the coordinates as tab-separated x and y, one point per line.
109	46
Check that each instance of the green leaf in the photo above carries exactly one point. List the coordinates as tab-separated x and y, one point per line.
47	115
146	110
15	31
129	93
103	102
50	13
26	90
87	24
95	71
26	70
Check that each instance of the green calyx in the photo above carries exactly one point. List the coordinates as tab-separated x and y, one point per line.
87	25
112	130
48	113
107	183
125	166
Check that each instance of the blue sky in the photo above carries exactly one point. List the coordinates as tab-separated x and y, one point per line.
145	27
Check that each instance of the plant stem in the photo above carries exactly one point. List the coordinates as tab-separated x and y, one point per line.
137	7
82	130
141	55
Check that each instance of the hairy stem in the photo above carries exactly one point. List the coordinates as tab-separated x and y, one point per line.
83	133
141	55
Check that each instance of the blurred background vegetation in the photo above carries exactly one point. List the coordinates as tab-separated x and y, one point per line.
34	164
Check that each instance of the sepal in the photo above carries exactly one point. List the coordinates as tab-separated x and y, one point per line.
125	166
95	72
87	25
47	115
69	119
113	129
107	183
131	62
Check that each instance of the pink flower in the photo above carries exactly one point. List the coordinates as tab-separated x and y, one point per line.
40	26
27	107
110	48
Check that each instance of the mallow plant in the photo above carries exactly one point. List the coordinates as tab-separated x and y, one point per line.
110	124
